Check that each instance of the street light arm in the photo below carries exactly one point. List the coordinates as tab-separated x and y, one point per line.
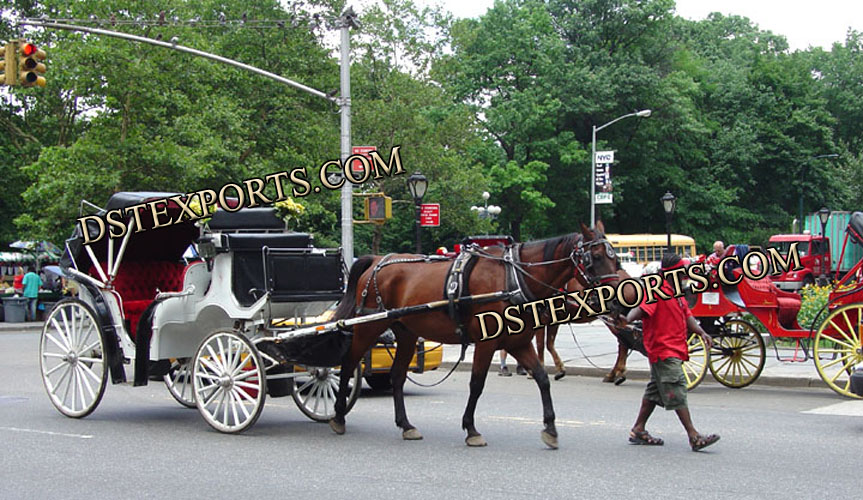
644	113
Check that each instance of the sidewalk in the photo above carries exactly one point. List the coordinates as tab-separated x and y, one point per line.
30	326
591	350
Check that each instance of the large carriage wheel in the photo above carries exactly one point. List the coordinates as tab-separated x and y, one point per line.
695	368
229	381
71	358
738	354
837	347
315	391
179	382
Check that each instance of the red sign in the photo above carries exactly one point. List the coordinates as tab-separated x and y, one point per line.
356	165
430	215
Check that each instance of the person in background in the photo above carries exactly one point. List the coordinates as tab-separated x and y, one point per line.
718	252
666	325
31	282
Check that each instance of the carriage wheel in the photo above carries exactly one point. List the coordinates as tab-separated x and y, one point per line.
837	347
695	368
315	391
71	358
229	381
179	382
738	354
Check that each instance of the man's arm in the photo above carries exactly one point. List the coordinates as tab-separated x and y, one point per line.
693	326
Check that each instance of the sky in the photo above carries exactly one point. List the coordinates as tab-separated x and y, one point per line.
804	23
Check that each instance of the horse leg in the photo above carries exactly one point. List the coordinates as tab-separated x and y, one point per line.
406	343
618	371
551	336
481	361
526	356
364	337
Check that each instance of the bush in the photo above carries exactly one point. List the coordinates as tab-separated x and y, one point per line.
813	299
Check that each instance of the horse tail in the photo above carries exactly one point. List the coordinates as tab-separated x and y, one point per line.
347	306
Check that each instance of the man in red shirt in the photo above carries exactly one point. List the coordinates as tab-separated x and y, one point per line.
666	326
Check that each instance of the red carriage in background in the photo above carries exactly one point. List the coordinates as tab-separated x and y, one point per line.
738	354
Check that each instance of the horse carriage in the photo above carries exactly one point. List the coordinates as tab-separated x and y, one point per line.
196	308
739	351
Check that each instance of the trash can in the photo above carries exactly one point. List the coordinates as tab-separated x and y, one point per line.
15	309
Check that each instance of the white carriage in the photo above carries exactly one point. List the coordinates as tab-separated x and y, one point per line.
203	323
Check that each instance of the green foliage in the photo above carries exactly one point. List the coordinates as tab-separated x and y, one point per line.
813	299
505	103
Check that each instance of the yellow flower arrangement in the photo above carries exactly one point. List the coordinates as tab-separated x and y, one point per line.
289	210
195	205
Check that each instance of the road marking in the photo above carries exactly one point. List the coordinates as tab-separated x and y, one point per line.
558	422
845	408
34	431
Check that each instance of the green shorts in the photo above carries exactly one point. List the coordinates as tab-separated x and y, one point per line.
667	386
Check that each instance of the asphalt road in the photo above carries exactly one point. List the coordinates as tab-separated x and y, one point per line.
139	443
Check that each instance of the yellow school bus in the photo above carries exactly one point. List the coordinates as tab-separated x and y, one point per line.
647	248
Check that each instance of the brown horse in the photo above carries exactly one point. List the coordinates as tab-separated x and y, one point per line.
374	285
548	335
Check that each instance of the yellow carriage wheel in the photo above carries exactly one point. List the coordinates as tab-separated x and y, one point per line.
695	368
837	347
738	354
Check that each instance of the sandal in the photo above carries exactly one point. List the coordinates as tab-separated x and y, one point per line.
644	437
701	442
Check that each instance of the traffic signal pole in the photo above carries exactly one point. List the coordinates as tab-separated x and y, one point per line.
347	20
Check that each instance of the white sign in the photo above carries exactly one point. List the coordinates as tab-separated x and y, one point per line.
600	198
605	157
710	298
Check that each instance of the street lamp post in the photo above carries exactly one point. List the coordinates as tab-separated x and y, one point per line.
803	172
823	216
486	211
644	113
417	184
669	203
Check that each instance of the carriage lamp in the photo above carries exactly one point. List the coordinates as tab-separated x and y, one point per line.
823	216
669	203
417	184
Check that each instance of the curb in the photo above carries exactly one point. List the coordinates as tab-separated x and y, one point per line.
642	375
20	327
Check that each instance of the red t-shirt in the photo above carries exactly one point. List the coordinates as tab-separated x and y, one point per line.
664	323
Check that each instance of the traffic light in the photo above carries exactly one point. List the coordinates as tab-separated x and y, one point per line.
378	207
29	66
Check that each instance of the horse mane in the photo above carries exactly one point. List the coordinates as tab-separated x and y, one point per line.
551	244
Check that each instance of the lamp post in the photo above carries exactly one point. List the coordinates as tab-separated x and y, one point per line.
803	172
417	184
669	203
644	113
823	216
486	211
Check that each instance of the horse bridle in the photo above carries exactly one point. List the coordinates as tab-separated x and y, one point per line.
584	265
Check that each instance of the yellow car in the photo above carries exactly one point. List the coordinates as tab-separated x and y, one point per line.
379	360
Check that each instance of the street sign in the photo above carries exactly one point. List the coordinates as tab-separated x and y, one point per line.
356	165
602	178
430	215
605	157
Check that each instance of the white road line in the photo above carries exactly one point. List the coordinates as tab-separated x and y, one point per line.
34	431
845	408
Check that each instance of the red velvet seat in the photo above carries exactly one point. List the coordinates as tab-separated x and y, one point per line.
137	282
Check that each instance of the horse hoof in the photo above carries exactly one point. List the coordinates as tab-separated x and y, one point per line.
620	380
411	435
559	375
477	440
337	427
608	378
549	440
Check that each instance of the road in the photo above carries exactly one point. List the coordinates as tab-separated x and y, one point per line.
139	443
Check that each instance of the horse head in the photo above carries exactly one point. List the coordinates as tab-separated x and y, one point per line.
594	258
